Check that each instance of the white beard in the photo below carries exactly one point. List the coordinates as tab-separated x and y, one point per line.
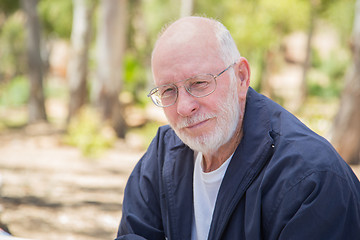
227	120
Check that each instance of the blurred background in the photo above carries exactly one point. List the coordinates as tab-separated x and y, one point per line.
74	75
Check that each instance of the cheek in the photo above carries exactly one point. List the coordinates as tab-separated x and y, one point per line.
215	99
171	114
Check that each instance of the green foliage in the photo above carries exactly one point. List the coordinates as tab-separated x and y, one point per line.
55	88
341	15
326	79
157	13
12	50
334	66
9	6
15	92
257	25
87	132
56	17
328	91
134	76
14	95
211	8
318	112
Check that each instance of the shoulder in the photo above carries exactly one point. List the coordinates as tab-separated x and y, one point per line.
301	154
307	176
296	145
306	170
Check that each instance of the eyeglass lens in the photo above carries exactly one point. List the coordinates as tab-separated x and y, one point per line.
199	86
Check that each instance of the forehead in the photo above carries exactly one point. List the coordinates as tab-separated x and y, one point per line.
181	72
185	50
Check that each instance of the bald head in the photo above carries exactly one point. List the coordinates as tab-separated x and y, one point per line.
195	40
187	29
190	35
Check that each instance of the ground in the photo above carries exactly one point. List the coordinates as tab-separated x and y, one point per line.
50	191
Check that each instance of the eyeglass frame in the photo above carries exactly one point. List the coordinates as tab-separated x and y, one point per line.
153	91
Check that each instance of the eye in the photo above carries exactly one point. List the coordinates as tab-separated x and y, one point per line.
197	84
167	91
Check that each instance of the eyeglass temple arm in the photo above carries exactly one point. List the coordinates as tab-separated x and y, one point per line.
226	69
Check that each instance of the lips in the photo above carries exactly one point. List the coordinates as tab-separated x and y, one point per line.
197	124
192	124
194	121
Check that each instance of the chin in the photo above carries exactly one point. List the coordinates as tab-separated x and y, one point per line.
207	143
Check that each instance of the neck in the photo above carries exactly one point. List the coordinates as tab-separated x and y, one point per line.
212	161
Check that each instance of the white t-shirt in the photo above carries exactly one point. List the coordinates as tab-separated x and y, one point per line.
206	187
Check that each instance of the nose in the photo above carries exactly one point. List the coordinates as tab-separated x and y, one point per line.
186	103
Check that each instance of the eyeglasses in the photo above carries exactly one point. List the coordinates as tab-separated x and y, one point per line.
198	86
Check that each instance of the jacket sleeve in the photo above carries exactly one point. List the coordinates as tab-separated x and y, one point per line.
322	205
141	214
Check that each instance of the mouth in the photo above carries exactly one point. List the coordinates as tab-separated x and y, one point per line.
195	125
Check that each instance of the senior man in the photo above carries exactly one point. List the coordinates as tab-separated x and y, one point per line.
233	164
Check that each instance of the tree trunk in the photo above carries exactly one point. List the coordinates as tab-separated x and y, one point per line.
36	105
110	52
314	5
346	128
187	8
77	66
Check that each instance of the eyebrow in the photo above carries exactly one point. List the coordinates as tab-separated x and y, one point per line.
194	76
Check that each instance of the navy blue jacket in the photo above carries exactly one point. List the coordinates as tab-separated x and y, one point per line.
283	182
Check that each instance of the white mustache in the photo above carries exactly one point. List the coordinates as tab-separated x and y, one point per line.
186	122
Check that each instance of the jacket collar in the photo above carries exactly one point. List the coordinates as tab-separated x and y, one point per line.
249	158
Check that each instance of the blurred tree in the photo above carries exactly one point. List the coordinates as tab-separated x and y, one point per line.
317	8
78	62
56	18
346	127
187	8
12	50
136	60
8	7
35	66
314	6
111	41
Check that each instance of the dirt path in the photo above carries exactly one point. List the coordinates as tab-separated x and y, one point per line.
49	191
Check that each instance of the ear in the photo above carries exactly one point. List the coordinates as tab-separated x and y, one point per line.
242	72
